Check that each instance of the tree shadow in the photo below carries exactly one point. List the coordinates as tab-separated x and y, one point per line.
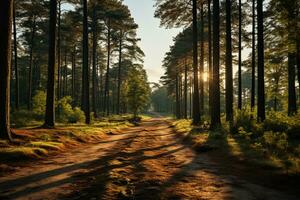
101	168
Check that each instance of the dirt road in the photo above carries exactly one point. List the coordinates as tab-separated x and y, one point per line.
144	162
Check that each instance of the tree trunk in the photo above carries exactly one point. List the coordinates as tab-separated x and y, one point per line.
101	84
298	63
6	15
73	74
177	97
185	90
191	97
50	108
292	100
29	92
119	73
196	102
106	91
260	63
94	62
98	96
215	119
17	94
201	83
229	80
240	58
59	52
253	58
65	81
210	68
85	67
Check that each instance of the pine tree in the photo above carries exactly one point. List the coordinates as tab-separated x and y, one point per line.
50	107
260	65
6	17
215	112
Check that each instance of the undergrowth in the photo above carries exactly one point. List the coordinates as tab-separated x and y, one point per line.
274	144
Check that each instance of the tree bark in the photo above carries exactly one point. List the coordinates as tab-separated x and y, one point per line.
17	93
6	15
260	63
59	52
191	97
210	68
215	119
201	70
94	101
177	97
229	80
185	90
253	84
196	100
29	92
65	75
85	67
119	73
50	99
298	62
73	74
240	58
106	91
292	100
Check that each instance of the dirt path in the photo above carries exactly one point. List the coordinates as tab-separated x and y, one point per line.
145	162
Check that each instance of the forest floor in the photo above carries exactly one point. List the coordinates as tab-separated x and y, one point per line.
148	161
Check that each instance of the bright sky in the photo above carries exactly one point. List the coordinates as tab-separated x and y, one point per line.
155	40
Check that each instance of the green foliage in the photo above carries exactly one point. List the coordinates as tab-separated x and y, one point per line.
244	119
22	118
39	103
69	114
161	101
276	140
138	91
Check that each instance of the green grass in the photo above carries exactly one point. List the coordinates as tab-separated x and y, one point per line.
269	150
20	153
34	142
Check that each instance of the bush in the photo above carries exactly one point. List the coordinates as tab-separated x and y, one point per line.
276	140
67	113
39	104
244	119
23	118
276	122
77	116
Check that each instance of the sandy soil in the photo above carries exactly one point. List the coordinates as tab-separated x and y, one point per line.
144	162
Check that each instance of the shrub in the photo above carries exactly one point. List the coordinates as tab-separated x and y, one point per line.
39	104
77	116
244	119
276	122
276	140
23	118
67	113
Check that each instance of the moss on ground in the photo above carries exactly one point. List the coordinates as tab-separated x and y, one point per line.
36	143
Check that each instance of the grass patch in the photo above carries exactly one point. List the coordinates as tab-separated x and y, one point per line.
35	143
56	146
21	153
264	147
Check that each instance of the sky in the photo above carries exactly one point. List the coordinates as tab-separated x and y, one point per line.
155	40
